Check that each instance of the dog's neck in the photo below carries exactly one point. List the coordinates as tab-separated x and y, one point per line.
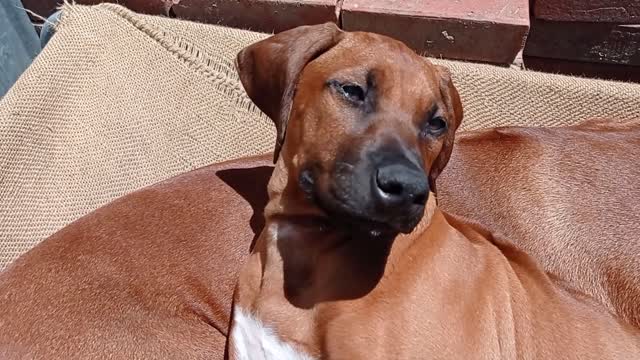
314	260
302	265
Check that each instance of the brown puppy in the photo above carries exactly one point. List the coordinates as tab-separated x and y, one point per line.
355	260
144	275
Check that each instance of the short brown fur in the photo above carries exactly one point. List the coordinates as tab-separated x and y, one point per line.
186	238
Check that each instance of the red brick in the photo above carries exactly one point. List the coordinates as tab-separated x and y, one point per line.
591	42
153	7
480	30
584	69
617	11
258	15
45	8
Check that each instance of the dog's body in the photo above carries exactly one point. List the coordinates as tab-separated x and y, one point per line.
569	197
145	277
151	275
355	260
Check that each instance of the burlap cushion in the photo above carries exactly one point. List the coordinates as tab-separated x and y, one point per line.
118	101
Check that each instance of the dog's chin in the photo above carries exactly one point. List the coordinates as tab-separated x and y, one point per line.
361	221
407	225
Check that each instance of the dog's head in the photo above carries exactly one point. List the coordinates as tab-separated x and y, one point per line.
364	124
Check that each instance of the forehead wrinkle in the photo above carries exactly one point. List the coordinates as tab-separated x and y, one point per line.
409	89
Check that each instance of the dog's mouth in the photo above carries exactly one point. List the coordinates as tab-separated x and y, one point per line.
348	209
353	221
342	216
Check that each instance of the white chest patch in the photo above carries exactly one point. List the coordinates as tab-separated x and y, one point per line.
252	340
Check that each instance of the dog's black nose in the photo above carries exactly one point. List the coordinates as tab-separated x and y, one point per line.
400	185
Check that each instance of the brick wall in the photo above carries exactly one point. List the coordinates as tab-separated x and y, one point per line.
598	38
480	30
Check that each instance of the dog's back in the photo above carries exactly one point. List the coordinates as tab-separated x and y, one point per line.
149	276
569	197
97	287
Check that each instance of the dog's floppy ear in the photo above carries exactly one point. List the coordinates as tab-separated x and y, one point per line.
454	115
269	69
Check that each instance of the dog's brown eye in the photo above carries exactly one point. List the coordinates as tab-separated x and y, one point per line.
435	126
353	92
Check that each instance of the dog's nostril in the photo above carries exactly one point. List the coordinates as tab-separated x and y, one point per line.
389	185
400	184
391	188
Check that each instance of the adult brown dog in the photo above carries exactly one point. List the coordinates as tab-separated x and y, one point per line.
151	274
356	261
